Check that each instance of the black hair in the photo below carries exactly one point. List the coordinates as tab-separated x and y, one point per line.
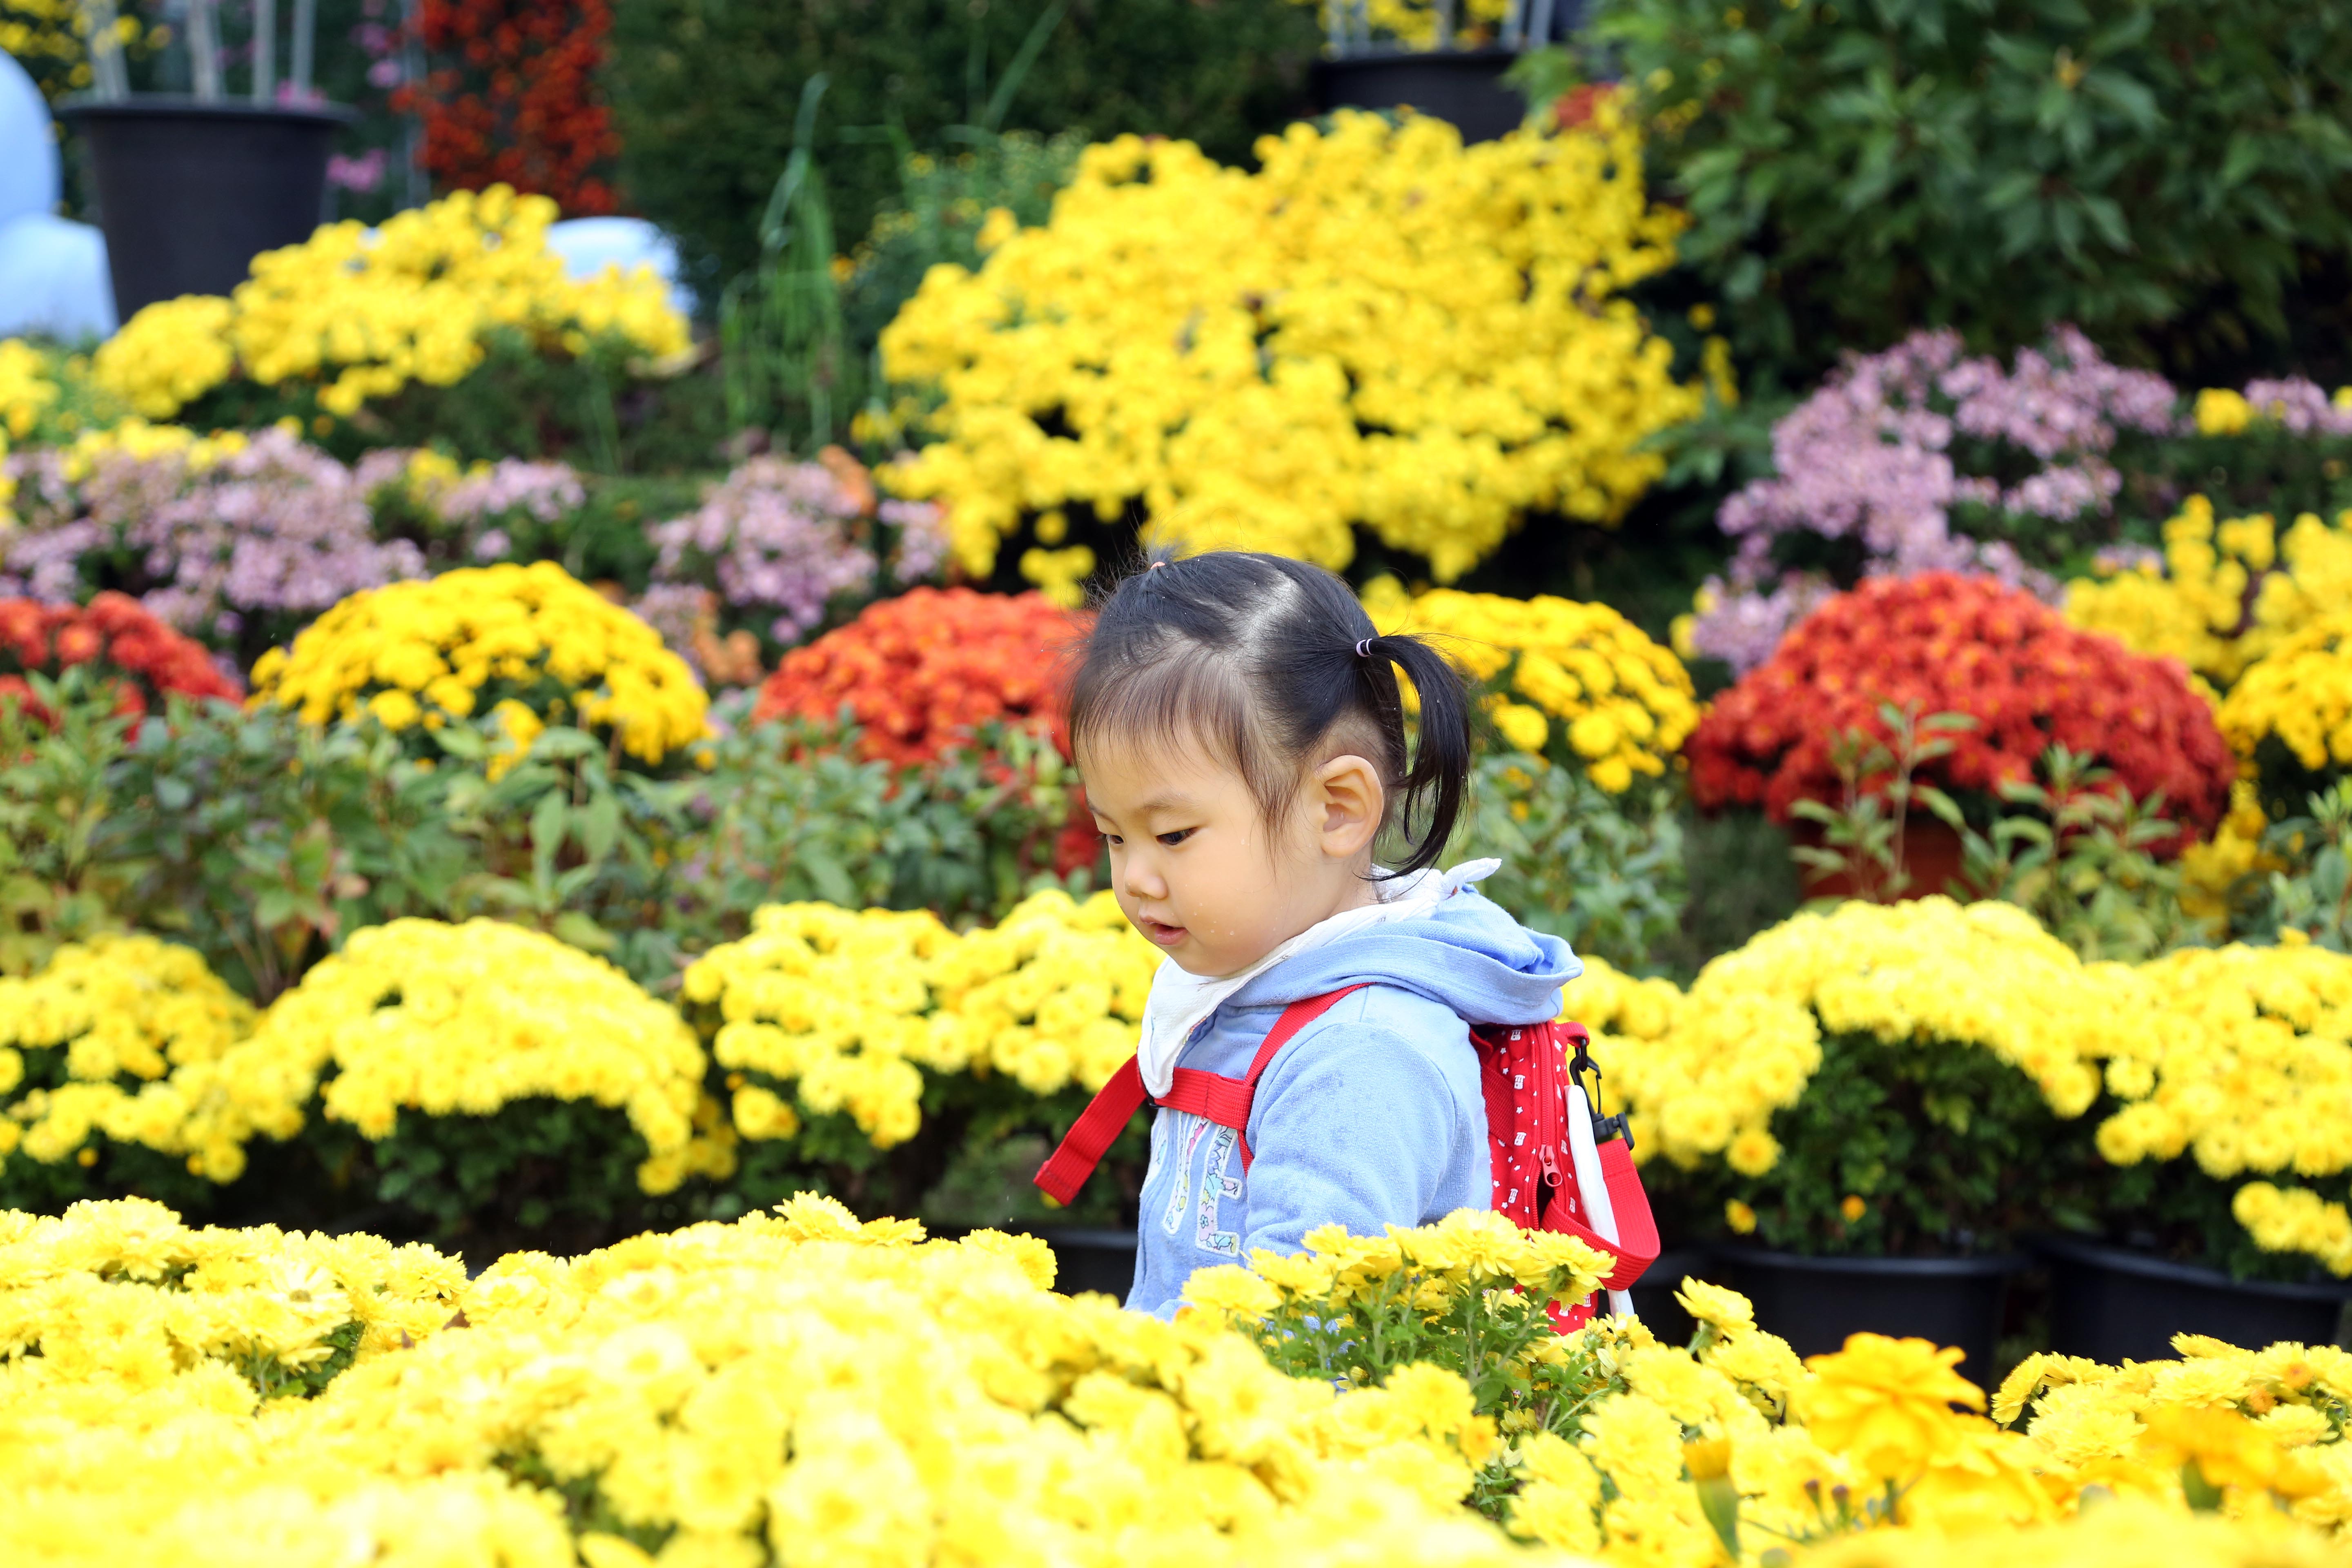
1267	660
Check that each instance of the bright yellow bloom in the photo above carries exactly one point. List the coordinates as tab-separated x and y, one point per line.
1888	1403
362	314
1624	704
1381	329
508	637
113	1017
2230	591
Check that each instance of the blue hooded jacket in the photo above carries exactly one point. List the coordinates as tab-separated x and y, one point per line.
1372	1116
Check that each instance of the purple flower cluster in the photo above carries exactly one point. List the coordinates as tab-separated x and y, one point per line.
784	539
1876	456
278	528
2298	405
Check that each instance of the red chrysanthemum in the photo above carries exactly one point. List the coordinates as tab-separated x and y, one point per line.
921	671
1943	643
119	638
513	99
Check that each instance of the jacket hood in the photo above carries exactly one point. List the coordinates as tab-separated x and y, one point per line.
1467	954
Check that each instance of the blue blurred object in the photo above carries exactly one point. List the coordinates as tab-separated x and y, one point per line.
589	245
53	275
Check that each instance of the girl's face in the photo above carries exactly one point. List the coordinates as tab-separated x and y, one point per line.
1199	869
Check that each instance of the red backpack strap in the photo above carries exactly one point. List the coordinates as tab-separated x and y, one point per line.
1224	1101
1091	1136
1227	1101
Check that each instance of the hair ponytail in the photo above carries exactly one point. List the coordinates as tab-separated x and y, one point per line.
1264	660
1439	773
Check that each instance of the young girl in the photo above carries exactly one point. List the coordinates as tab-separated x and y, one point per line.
1236	719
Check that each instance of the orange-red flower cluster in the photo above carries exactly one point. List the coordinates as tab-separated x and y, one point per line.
920	671
519	106
119	638
1942	643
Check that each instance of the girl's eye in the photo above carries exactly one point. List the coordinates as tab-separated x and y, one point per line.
1110	837
1182	834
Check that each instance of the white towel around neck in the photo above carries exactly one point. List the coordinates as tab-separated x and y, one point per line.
1179	1000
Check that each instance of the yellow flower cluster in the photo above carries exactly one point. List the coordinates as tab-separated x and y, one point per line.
2301	691
362	314
422	653
1704	1071
457	1020
1381	329
1469	1252
2228	593
117	1302
27	391
795	1388
1623	704
110	1020
849	1004
2220	411
1413	22
2252	1075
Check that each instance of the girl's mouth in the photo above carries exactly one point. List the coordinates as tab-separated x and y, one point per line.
1164	935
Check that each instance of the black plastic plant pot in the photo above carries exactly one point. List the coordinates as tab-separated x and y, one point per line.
1085	1259
1814	1303
190	193
2113	1305
1462	87
1653	1292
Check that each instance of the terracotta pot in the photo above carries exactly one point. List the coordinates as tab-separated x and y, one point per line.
1931	854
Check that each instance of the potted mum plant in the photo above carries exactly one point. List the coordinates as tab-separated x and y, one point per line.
1865	1112
1445	57
2226	1142
1961	684
192	187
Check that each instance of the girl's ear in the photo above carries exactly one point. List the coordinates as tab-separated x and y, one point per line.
1346	796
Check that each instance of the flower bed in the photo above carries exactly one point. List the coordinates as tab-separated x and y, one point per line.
803	1385
2291	713
1381	328
528	643
2224	593
350	316
1942	643
939	1405
124	648
1623	704
919	673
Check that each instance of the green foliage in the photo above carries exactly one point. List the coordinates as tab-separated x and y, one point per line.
1603	871
2309	888
1950	1150
530	1164
59	883
262	841
1864	834
703	93
2078	854
606	411
2172	176
802	342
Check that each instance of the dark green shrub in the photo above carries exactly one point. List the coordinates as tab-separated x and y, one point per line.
2171	175
704	93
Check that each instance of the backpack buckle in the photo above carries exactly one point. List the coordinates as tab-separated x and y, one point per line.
1604	1128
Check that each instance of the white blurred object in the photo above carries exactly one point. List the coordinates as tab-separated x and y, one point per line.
53	280
52	277
589	245
28	147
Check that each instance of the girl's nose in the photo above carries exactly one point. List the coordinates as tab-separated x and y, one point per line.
1141	880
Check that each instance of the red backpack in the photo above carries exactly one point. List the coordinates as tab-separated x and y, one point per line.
1528	1073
